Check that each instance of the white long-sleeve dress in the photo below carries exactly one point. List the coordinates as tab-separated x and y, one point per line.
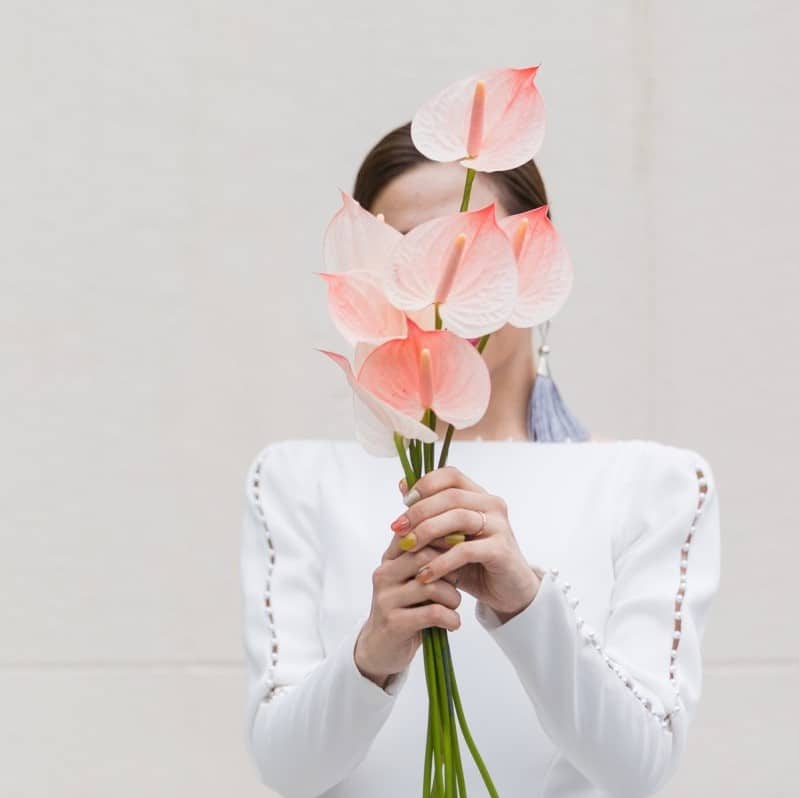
589	691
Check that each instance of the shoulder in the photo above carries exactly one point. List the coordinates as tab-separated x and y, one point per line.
681	468
651	460
668	486
293	465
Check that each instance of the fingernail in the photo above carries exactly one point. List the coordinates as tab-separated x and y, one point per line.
403	486
411	496
424	574
408	542
457	537
403	522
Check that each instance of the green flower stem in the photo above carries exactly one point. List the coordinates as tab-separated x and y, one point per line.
478	760
442	461
467	189
416	457
433	725
428	755
429	419
458	763
432	691
449	675
410	476
444	700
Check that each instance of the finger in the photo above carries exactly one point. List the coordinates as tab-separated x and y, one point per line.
414	592
439	479
406	564
437	503
458	520
393	549
414	619
472	551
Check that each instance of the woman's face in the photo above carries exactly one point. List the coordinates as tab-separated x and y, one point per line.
434	189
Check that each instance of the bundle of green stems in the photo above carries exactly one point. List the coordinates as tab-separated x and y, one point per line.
443	768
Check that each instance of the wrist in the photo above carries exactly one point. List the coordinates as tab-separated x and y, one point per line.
528	594
366	670
381	680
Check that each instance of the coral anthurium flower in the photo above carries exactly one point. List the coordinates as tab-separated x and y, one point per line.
376	420
546	274
462	262
357	247
488	122
429	369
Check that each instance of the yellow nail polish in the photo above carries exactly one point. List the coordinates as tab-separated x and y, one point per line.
408	541
455	538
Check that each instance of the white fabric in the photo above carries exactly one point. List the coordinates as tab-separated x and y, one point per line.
562	700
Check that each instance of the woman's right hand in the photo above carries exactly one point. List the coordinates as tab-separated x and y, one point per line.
401	607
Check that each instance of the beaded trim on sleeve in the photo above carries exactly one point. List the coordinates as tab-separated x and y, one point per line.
273	689
664	718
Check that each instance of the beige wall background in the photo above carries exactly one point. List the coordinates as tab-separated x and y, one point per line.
167	171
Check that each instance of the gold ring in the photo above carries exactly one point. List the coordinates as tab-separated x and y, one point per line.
482	526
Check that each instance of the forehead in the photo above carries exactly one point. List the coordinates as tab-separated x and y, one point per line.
429	190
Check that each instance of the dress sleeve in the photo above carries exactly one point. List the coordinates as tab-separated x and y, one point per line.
619	704
303	704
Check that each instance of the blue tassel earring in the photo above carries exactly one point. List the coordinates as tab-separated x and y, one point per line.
548	418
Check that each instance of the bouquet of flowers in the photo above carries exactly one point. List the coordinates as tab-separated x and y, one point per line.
475	273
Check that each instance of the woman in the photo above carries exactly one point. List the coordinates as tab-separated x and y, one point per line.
576	606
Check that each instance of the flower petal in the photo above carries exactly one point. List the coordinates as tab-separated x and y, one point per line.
461	380
546	274
515	121
461	384
425	318
356	239
359	307
390	372
440	126
362	350
375	420
481	294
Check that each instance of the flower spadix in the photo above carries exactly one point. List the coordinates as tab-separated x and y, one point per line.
376	420
545	269
463	263
433	369
357	246
489	122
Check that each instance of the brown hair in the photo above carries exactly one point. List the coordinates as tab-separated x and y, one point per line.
519	189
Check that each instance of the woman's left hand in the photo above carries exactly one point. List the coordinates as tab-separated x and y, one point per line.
488	564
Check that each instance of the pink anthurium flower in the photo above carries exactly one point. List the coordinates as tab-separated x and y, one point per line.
359	308
357	247
376	420
433	369
463	263
546	274
357	240
489	122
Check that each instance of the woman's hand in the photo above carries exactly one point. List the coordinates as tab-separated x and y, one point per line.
401	607
488	564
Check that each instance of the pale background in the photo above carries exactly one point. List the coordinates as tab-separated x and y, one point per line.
167	171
